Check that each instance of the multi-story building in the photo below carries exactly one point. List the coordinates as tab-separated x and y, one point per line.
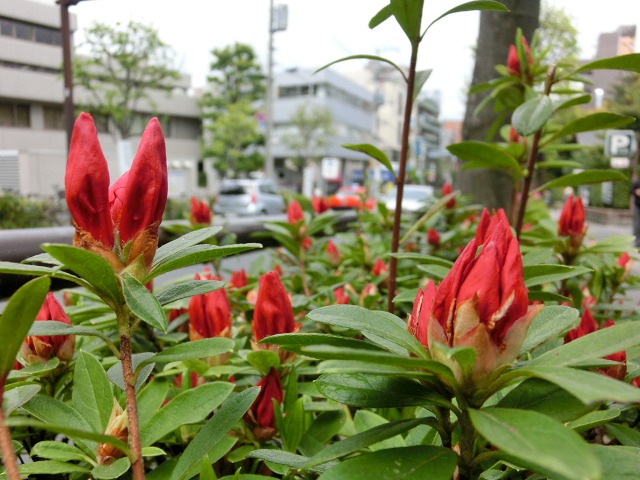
427	144
32	138
352	110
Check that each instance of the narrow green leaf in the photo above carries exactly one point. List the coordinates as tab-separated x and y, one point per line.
114	470
595	121
419	257
89	266
185	241
621	463
61	451
483	5
143	304
582	178
188	289
408	14
59	328
407	463
92	394
36	270
629	63
365	420
579	100
263	360
207	347
552	321
279	457
532	115
536	442
365	57
363	440
383	15
191	406
114	374
374	153
593	420
214	430
18	396
421	78
150	399
558	164
50	467
541	274
625	435
486	155
19	313
35	370
289	340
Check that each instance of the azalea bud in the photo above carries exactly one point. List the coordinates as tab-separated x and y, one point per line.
294	213
238	279
513	62
209	314
379	268
447	189
118	427
277	269
587	325
513	135
44	348
571	222
200	213
616	371
433	237
319	204
273	313
482	303
306	243
333	254
261	412
623	260
341	296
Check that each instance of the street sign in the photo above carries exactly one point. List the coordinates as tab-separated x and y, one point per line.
620	143
330	168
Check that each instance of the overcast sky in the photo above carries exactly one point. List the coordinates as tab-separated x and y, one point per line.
321	31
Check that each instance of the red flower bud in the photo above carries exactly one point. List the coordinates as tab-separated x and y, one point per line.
482	302
44	348
277	269
238	279
333	254
200	213
616	371
261	411
341	297
513	62
209	314
379	268
623	260
571	221
273	313
433	237
513	136
294	213
306	243
587	325
319	204
447	189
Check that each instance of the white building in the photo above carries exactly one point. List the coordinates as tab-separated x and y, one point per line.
32	136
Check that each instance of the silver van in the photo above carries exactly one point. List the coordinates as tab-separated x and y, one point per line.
248	197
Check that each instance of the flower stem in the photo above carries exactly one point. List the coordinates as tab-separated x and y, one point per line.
533	155
445	423
8	455
467	439
132	407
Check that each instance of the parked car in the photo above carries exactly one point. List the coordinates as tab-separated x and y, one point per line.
351	197
414	198
248	197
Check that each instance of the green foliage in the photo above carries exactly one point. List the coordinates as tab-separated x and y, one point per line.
122	65
313	125
19	212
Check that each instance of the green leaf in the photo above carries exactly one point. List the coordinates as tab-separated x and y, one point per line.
551	322
558	164
188	289
89	266
593	420
588	387
18	396
194	255
34	270
625	435
152	452
595	345
536	442
185	241
206	470
59	328
150	399
407	463
195	349
322	430
263	360
365	57
583	178
408	14
61	451
629	63
92	394
36	370
486	155
143	304
115	470
19	313
50	467
437	272
621	463
383	15
419	257
279	457
472	6
363	440
288	340
374	153
579	100
541	274
532	115
214	430
595	121
377	391
365	420
421	78
189	407
114	374
366	321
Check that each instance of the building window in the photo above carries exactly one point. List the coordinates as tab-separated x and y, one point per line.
187	128
30	32
298	91
14	115
53	118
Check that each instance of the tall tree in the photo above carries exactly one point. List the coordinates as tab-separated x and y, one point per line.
557	35
228	110
121	66
312	128
497	32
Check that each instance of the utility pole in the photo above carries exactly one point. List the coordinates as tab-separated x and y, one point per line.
65	33
277	23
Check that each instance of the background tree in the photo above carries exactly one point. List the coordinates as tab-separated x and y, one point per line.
493	188
121	66
557	34
228	110
312	127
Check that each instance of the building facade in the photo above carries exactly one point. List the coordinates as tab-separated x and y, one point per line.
32	138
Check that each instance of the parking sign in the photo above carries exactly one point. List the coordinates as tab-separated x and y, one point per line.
620	143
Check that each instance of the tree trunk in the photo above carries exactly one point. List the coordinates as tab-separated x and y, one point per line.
493	188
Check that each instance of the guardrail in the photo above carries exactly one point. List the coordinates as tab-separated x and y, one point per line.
20	244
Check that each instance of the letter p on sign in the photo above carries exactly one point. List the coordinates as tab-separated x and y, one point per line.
620	143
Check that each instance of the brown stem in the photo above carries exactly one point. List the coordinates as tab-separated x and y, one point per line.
445	423
395	240
132	407
533	154
303	274
8	455
467	439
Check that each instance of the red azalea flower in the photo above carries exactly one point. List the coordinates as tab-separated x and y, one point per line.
200	213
